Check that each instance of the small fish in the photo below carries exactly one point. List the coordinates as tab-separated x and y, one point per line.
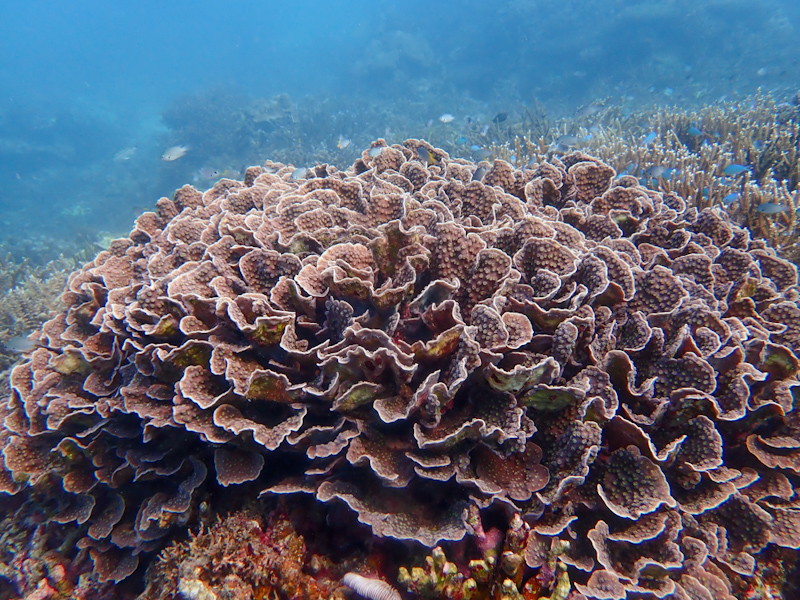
485	129
342	143
299	173
231	173
651	137
626	171
668	91
482	154
657	171
373	152
587	111
694	131
479	173
174	153
501	116
426	156
461	140
731	198
207	173
446	118
735	169
564	143
474	147
19	344
770	208
125	154
567	140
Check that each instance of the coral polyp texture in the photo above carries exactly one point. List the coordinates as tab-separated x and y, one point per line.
240	558
423	347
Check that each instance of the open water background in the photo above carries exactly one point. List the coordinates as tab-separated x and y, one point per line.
82	83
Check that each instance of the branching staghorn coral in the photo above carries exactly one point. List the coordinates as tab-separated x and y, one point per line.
419	346
673	150
30	299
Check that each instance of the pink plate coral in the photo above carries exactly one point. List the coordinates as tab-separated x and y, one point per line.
615	365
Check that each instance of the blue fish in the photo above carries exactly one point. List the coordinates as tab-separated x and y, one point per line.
627	170
474	147
19	344
735	169
461	140
694	131
657	171
731	198
651	137
479	173
770	208
426	156
705	192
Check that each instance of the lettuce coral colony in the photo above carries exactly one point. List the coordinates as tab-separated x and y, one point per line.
610	369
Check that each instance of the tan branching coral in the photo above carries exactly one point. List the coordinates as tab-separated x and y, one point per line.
674	150
615	366
28	297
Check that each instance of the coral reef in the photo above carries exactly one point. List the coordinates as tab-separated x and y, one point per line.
240	558
28	297
688	152
38	560
426	347
523	564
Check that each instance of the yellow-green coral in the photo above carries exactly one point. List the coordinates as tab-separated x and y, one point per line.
493	577
438	579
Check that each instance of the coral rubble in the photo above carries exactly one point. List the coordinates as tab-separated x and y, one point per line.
614	366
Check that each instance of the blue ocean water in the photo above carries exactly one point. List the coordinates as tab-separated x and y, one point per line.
92	94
